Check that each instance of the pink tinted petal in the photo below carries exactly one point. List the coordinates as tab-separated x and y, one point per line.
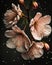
35	19
46	30
37	16
39	44
45	20
35	33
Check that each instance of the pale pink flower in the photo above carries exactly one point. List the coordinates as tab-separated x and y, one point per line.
11	17
39	26
17	39
35	51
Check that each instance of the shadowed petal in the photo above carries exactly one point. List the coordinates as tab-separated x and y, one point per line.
10	33
10	44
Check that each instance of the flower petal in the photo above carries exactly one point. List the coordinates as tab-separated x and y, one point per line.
35	19
45	20
10	33
35	33
37	16
10	44
47	30
9	15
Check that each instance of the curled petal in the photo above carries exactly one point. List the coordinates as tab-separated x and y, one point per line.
10	33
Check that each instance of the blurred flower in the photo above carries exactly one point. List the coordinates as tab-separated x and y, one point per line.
11	17
39	26
17	39
35	4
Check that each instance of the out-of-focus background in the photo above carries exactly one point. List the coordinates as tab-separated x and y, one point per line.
11	56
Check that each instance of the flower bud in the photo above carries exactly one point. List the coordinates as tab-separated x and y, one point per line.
35	4
47	46
21	1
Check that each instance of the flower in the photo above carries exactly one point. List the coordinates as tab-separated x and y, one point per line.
11	17
39	26
35	51
17	39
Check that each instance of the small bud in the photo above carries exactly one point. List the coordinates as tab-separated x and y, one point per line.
47	46
35	5
21	1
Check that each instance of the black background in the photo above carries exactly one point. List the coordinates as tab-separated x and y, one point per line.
9	56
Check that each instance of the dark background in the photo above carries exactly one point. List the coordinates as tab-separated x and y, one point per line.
12	57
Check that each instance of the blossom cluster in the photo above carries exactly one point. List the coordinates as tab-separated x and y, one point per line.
17	38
